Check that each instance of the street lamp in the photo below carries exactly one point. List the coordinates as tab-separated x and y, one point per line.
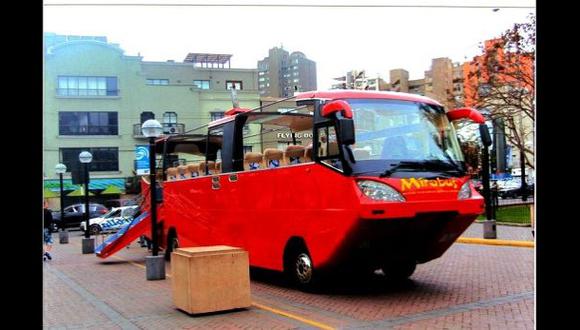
60	169
155	264
88	243
489	226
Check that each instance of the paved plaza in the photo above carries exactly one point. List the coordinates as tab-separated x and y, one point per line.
470	286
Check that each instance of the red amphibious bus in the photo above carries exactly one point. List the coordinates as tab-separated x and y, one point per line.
356	179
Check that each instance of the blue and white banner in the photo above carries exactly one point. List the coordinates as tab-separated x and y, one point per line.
142	160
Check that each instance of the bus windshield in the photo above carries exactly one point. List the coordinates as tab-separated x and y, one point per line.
403	131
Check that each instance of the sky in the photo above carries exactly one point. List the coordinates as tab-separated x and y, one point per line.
338	39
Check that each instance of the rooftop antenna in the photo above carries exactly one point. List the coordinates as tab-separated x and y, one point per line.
235	101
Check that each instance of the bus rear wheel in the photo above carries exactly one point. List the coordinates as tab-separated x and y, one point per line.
172	244
300	270
398	271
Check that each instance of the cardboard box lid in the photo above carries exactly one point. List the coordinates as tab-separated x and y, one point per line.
208	250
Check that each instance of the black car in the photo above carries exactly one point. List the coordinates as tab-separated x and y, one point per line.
74	214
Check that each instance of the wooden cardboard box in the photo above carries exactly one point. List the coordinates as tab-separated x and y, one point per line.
210	278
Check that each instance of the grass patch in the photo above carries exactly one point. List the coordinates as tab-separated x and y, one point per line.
513	214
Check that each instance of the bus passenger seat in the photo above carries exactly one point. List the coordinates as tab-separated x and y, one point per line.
183	172
193	170
211	167
252	161
294	155
308	154
273	157
171	173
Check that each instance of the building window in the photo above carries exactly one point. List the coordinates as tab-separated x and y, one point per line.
201	84
157	81
104	159
247	149
170	118
87	86
233	83
88	123
217	115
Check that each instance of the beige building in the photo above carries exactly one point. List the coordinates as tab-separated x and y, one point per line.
96	98
283	73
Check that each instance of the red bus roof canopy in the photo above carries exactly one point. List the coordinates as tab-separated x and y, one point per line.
357	94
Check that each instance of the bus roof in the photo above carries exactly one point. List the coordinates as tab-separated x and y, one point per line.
358	94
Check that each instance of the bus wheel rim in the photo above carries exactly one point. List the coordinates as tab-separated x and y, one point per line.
303	268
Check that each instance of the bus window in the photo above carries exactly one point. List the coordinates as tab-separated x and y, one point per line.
328	146
213	155
272	135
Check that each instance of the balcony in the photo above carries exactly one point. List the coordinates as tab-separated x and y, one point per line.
168	129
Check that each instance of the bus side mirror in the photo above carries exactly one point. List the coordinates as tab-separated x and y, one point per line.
466	113
335	106
484	134
345	129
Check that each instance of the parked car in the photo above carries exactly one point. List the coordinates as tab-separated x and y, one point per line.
74	214
112	221
516	191
111	203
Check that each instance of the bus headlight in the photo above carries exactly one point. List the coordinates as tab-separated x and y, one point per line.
465	191
379	191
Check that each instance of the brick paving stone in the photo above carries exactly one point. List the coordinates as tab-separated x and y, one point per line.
83	291
516	315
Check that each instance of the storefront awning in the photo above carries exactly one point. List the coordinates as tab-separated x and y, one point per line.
49	193
80	192
112	190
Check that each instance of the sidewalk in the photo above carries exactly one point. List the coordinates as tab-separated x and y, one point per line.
83	291
454	291
503	232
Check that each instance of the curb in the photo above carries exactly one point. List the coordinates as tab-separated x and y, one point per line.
497	242
511	224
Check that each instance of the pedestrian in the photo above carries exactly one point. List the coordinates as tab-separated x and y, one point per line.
47	232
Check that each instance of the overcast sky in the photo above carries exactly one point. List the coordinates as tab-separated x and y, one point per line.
337	38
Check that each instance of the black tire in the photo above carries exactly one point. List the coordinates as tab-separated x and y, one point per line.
398	271
172	244
95	229
300	270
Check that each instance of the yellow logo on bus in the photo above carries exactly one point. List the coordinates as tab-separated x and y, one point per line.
420	183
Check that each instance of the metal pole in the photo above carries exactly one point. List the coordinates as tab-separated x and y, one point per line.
524	185
153	196
61	202
485	182
87	233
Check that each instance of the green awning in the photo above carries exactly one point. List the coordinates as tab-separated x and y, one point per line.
49	193
111	190
80	192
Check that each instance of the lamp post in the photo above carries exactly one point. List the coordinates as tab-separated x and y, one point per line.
88	243
155	264
60	169
489	226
